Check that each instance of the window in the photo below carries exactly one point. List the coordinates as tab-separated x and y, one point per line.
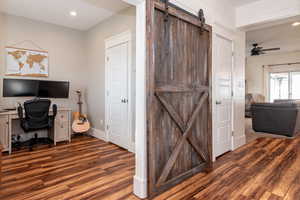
284	85
295	83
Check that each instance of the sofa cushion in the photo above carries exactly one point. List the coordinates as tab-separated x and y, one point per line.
275	105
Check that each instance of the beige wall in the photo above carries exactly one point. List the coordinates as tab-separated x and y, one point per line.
254	68
95	47
67	60
75	56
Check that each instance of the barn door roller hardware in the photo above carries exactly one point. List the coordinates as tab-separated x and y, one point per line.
202	19
166	10
167	27
201	16
167	34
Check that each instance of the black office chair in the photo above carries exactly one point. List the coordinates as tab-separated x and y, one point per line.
36	117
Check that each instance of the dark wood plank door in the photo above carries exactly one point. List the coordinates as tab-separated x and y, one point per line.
178	96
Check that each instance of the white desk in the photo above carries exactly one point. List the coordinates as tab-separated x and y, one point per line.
60	132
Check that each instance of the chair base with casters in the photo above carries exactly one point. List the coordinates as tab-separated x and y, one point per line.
37	118
34	141
18	145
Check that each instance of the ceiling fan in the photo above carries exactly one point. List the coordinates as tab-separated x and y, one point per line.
256	51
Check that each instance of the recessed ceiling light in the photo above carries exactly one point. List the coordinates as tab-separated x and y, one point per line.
296	24
73	13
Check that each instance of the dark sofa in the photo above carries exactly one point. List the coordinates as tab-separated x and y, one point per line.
276	118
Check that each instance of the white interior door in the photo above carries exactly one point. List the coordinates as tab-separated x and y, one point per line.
117	64
223	95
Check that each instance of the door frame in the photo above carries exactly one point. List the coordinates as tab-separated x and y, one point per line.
124	37
214	106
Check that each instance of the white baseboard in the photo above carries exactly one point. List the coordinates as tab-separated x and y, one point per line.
239	141
97	133
132	148
140	187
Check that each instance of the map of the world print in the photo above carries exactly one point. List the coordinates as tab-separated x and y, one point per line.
24	62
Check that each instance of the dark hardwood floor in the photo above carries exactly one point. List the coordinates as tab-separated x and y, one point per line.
87	168
265	169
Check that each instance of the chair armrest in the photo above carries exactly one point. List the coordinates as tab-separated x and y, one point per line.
20	112
54	108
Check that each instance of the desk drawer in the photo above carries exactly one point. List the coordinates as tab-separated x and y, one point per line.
62	116
4	134
62	129
1	149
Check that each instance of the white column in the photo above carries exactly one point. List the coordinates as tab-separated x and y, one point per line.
140	178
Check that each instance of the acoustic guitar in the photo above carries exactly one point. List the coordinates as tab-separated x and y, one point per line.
81	123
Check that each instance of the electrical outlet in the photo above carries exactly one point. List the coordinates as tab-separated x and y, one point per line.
101	122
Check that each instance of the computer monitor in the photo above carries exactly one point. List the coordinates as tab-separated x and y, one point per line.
53	89
35	88
20	88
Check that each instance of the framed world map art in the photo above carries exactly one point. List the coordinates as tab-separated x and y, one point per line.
26	62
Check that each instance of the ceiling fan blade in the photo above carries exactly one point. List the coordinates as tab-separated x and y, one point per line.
272	49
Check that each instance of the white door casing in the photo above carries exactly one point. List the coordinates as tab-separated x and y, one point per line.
223	123
118	90
140	177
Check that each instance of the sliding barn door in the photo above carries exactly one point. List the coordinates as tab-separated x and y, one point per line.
179	96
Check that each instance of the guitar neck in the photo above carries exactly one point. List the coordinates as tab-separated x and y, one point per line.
80	103
80	110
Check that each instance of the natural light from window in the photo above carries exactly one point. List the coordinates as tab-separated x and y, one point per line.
284	86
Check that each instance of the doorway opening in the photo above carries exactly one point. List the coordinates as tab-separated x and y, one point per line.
272	77
80	40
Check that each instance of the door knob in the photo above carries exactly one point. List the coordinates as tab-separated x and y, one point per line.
218	102
124	100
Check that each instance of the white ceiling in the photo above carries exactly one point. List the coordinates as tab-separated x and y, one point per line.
242	2
284	36
90	12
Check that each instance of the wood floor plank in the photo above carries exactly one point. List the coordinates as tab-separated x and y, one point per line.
264	169
68	171
91	169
